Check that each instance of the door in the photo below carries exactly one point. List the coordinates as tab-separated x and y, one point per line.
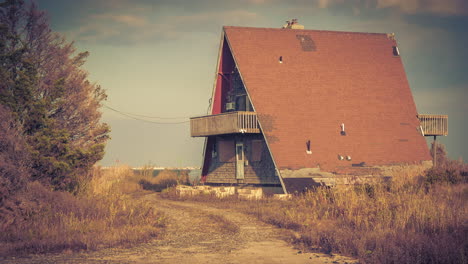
240	161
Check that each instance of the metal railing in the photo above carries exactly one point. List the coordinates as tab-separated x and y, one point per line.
225	123
434	125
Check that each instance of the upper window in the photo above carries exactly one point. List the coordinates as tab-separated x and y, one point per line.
241	103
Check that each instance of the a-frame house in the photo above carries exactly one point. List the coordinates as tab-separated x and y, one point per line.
293	107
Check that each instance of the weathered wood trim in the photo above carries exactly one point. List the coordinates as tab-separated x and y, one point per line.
434	125
225	123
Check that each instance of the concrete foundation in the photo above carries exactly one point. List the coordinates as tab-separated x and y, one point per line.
243	192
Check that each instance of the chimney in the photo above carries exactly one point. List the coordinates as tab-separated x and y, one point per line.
293	24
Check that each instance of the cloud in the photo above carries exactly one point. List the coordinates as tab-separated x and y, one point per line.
326	3
118	34
221	18
129	20
139	27
434	7
92	32
132	22
187	5
437	7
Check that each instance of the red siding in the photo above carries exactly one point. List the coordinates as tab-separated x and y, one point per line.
226	66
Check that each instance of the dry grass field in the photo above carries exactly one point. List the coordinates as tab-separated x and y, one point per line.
105	213
418	217
413	219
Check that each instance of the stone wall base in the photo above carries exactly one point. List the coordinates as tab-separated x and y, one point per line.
243	192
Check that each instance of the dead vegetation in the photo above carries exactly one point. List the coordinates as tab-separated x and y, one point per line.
412	219
164	179
419	217
104	214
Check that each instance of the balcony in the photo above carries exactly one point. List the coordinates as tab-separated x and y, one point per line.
434	125
225	123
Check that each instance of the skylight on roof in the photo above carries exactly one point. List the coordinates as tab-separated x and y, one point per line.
306	42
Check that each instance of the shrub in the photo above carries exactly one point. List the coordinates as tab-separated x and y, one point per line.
451	171
446	170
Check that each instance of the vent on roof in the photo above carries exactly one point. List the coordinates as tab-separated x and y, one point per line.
280	59
343	132
293	24
306	42
396	52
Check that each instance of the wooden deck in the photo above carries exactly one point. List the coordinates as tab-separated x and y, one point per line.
225	123
434	125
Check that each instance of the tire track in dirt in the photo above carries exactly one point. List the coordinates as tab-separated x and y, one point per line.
199	234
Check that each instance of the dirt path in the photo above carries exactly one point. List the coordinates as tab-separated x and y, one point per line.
199	234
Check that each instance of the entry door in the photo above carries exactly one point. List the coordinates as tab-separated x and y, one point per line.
240	161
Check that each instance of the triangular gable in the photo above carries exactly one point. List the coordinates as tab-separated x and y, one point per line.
226	65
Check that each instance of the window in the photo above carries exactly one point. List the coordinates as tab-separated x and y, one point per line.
226	150
240	152
214	150
241	103
396	52
256	152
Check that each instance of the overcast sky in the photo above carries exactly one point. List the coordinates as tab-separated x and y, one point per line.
157	58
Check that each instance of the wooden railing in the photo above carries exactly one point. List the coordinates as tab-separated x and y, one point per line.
225	123
434	125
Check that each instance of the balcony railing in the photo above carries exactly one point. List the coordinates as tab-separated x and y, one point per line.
225	123
434	125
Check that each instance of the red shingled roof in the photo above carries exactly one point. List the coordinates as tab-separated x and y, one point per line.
350	78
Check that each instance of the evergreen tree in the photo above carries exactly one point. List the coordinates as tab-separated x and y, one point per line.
43	84
14	161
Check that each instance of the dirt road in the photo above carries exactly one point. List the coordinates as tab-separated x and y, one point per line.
200	234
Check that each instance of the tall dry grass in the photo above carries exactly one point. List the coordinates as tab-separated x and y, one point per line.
407	220
165	179
104	214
